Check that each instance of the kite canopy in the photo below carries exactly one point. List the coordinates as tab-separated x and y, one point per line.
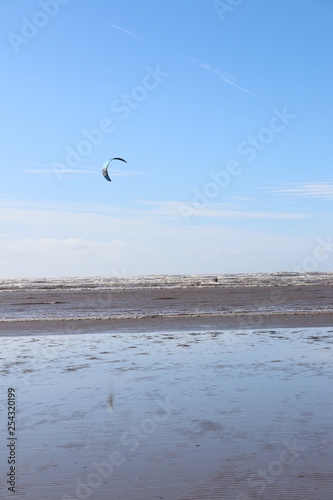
106	166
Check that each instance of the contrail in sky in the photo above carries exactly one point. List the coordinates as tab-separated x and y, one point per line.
123	30
226	78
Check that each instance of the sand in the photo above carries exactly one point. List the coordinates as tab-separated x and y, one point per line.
226	414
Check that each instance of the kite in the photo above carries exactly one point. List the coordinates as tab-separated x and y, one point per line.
106	165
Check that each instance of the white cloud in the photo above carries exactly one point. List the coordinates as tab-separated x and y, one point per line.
66	243
222	211
323	190
37	213
67	257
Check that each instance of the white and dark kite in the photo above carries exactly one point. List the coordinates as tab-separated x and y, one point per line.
106	166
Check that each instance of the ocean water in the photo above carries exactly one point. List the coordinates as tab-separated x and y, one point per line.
159	296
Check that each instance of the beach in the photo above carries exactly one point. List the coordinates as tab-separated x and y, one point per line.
166	257
181	389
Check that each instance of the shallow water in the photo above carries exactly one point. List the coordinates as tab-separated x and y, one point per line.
234	414
166	281
175	297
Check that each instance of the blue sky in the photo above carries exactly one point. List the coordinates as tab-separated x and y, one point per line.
222	110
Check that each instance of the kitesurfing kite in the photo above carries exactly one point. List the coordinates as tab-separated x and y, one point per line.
106	165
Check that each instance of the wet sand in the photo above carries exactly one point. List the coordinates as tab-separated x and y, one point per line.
220	414
139	325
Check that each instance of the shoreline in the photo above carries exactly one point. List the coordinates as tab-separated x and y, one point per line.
242	321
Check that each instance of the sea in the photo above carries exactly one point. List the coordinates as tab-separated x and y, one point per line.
165	296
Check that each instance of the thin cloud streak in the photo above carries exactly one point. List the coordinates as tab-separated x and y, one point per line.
26	76
60	207
223	75
310	190
47	169
40	171
172	210
177	209
119	28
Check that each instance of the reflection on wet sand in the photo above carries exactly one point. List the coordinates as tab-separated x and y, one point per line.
234	414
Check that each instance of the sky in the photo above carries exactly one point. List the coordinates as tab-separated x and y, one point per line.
222	110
